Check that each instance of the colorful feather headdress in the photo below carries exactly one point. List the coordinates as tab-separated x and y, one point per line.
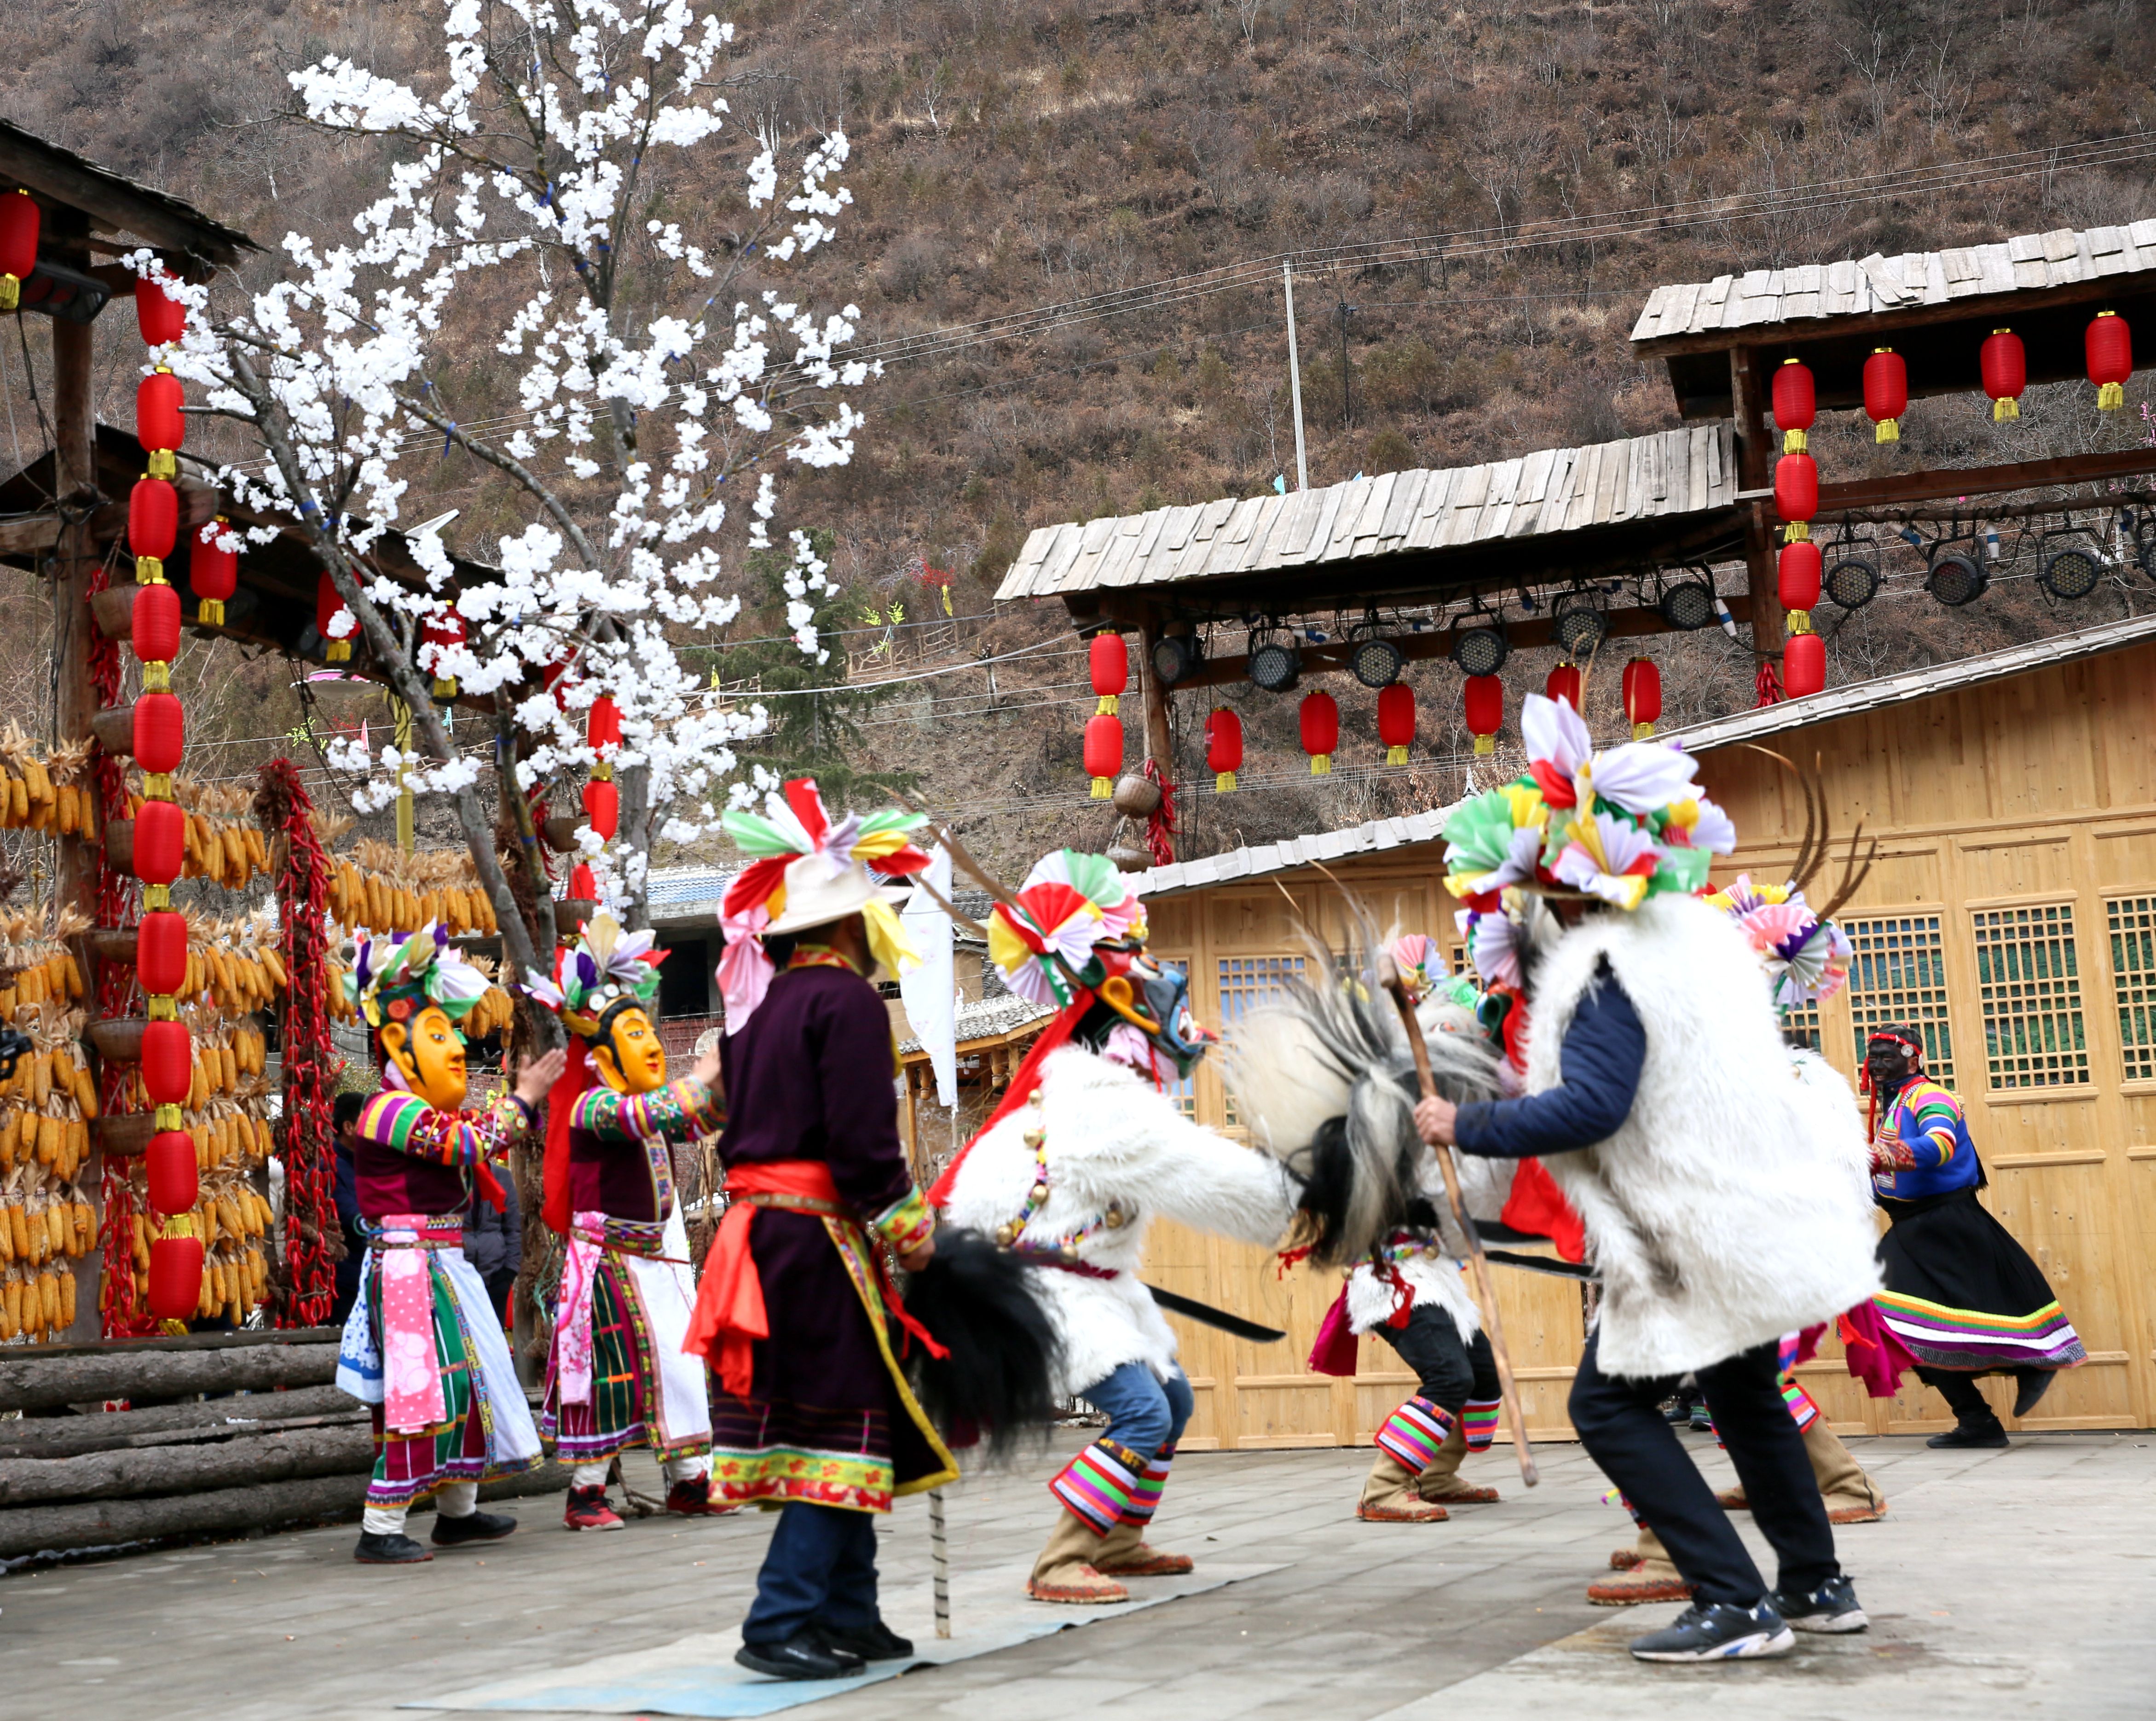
795	826
392	978
1805	957
1617	826
1069	902
601	969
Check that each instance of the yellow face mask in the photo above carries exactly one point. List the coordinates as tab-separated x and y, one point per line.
430	1055
631	1059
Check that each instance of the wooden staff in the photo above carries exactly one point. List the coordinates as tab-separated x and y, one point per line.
1389	976
939	1549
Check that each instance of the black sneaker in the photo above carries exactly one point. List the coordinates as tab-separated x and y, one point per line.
388	1550
804	1656
1964	1435
1830	1608
875	1642
1717	1631
472	1527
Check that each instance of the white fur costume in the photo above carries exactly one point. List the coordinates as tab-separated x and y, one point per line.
1432	1278
1113	1139
1731	1205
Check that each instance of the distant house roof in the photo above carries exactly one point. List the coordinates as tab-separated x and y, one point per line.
1443	525
986	1018
1260	859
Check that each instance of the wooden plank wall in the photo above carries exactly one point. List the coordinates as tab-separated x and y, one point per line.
2036	794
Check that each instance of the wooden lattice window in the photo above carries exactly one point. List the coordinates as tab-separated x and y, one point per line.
1249	981
1801	1027
2133	982
2029	978
1897	975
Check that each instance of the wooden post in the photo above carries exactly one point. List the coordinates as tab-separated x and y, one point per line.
1755	471
74	560
1157	745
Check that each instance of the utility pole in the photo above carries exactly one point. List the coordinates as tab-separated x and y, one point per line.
1295	379
1347	397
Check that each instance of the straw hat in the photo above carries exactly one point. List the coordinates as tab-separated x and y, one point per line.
819	891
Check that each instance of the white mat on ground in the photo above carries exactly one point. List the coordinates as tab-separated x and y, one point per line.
699	1676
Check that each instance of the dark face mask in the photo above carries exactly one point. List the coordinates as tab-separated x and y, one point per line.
1888	1067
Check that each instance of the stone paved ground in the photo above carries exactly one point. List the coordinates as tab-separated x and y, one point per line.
2003	1584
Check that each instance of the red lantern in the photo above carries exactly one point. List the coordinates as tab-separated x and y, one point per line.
1804	665
2109	345
161	842
1643	697
168	1061
160	955
2005	368
169	1162
213	571
1396	721
602	727
18	246
602	807
1104	753
583	887
153	527
176	1271
328	605
1885	392
436	634
1563	684
162	318
1797	578
159	733
1321	732
160	426
1109	659
1224	748
155	624
1485	701
1796	403
1796	494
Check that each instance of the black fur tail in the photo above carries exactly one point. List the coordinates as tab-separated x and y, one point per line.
979	1302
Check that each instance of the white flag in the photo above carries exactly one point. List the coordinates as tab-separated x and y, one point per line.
928	992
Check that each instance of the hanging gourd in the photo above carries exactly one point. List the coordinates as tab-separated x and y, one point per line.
2109	345
160	425
1797	582
328	606
1804	665
1109	660
1484	701
1564	683
2005	368
602	807
1796	494
213	571
1224	748
1886	393
1396	721
1796	403
162	318
1320	722
168	1164
153	527
438	634
1643	697
18	246
160	952
1104	753
175	1271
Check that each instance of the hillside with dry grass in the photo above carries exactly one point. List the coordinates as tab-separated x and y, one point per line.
1021	156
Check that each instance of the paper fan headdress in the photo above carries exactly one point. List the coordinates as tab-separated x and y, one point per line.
807	868
392	978
1420	963
1805	957
1617	826
603	970
1069	902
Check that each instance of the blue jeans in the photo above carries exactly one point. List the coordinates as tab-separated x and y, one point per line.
1144	1413
819	1569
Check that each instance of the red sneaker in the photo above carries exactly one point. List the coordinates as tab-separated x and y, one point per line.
692	1498
588	1510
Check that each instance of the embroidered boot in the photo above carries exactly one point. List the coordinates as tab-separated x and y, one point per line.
1124	1553
1649	1576
1439	1482
1408	1442
1065	1572
1389	1496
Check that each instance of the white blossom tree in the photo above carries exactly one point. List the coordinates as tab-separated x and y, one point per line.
522	208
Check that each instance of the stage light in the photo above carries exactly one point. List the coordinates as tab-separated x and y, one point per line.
1851	582
1956	579
2070	574
1276	665
1688	605
1580	628
1375	663
1480	650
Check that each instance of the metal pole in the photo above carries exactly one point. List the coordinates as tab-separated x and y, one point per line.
1295	379
940	1552
1347	383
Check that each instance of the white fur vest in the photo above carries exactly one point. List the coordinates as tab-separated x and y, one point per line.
1113	1141
1435	1278
1731	1205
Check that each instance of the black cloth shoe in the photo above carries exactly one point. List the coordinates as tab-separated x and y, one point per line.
1830	1608
872	1643
388	1550
1717	1631
804	1656
1991	1434
2030	1384
472	1527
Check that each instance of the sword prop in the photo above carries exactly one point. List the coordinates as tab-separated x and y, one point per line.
1389	977
1206	1315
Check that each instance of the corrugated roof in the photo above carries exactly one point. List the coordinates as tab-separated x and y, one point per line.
1671	473
1260	859
1816	292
